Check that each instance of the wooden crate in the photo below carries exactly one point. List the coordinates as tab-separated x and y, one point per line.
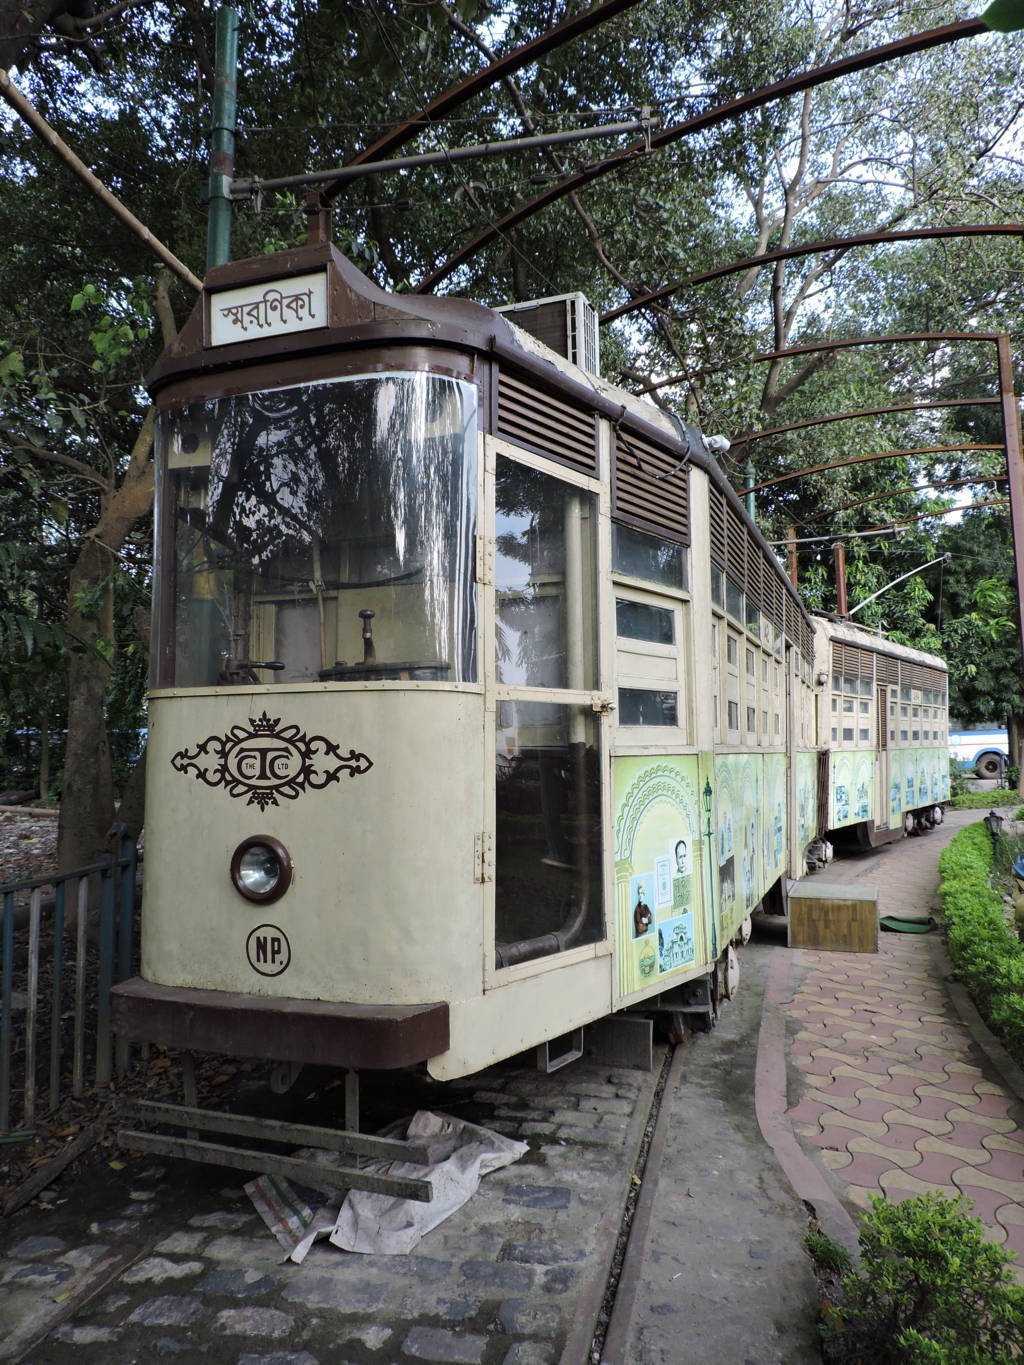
833	917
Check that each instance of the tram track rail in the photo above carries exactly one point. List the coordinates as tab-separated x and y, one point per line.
608	1341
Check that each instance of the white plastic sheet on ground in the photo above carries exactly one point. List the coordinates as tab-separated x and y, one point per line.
460	1153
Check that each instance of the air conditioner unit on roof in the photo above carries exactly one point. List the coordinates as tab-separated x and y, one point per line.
566	322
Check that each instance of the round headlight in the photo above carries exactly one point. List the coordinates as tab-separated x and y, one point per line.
261	869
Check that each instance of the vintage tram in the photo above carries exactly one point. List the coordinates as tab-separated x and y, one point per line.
480	708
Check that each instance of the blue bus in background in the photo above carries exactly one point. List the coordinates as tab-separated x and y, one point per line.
985	749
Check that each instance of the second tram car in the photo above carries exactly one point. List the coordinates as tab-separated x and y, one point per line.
480	707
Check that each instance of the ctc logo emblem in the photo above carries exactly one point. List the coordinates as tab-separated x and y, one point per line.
268	950
263	762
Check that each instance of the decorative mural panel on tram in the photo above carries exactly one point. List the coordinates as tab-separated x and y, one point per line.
659	883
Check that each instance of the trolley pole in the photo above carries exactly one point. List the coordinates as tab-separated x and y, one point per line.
839	554
222	140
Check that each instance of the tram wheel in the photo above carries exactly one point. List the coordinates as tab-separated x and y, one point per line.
988	766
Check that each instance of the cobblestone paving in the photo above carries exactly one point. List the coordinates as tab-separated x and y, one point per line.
185	1269
896	1098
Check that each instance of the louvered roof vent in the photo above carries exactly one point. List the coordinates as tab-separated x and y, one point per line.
566	322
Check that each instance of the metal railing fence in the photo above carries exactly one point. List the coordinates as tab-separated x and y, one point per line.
95	959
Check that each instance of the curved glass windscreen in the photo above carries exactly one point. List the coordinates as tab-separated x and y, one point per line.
323	533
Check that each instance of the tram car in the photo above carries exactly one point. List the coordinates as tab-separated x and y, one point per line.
480	708
885	735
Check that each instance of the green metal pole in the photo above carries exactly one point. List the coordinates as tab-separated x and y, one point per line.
222	141
751	505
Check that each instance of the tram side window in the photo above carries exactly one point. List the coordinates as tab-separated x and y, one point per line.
548	871
638	555
734	600
718	587
548	882
732	685
320	532
545	580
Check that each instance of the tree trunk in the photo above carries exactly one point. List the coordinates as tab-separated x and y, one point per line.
1015	736
87	801
132	810
44	755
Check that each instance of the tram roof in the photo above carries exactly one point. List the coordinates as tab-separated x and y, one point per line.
846	632
362	315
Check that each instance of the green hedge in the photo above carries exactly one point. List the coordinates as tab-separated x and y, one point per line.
994	796
987	954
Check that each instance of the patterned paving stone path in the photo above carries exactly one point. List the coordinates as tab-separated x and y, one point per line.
895	1096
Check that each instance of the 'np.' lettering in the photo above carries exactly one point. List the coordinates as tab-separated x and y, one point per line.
268	950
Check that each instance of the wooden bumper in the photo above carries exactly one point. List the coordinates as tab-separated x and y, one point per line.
313	1032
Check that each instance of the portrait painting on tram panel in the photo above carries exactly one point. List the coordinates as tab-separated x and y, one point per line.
806	797
657	832
640	896
895	784
923	785
863	787
739	792
773	816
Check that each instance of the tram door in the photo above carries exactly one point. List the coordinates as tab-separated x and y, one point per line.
882	758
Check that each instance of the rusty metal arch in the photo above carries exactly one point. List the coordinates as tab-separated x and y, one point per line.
853	413
790	85
898	492
480	80
866	459
789	253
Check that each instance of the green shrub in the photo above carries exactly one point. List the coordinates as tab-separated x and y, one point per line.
930	1291
988	956
957	779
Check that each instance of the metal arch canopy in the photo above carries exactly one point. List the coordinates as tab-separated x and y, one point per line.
790	85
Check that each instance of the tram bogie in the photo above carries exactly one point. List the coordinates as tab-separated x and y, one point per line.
480	707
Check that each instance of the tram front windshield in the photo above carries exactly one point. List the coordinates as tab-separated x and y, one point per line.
324	532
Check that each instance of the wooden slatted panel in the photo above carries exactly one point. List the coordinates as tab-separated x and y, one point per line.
792	623
887	669
736	547
807	641
754	585
660	504
716	511
773	591
837	657
867	663
535	419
